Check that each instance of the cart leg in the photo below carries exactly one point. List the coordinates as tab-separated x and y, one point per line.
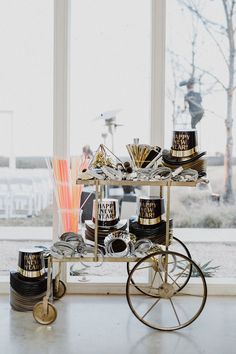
98	196
59	287
167	230
44	312
57	278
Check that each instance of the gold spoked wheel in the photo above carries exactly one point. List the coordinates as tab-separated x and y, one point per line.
166	302
44	317
59	289
176	245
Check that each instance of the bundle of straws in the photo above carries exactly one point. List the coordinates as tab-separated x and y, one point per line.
67	193
139	153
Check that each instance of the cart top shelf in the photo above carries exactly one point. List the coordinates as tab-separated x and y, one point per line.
162	183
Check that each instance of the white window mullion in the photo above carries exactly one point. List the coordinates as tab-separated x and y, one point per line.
61	141
61	116
61	121
158	30
157	96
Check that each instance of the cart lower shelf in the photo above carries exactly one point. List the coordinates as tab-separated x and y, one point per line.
170	298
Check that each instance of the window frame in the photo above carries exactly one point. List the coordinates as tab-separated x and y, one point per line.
4	280
157	115
62	99
61	120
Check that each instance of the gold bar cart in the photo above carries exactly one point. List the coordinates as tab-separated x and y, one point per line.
174	294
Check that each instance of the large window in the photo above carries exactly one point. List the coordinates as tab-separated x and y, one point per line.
110	63
110	70
198	49
26	91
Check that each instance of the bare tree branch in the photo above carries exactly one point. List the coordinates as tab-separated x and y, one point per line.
232	8
231	41
221	29
206	23
215	114
172	95
213	76
179	59
226	13
228	195
208	73
193	44
210	89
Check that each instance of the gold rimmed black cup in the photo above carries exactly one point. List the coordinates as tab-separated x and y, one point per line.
31	263
150	210
108	212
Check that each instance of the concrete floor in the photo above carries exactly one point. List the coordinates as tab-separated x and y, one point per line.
105	325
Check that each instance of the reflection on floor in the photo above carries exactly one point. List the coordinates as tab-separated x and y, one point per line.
104	324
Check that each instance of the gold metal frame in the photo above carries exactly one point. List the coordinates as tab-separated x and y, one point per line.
45	312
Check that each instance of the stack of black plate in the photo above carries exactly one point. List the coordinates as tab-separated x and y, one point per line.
24	295
102	230
26	292
150	222
155	233
29	284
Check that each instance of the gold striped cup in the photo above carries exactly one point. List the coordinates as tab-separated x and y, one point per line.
31	262
108	212
184	143
150	210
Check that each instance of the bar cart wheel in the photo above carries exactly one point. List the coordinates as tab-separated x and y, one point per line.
44	314
175	242
165	302
59	289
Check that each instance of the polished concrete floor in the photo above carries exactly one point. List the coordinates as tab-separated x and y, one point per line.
105	325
